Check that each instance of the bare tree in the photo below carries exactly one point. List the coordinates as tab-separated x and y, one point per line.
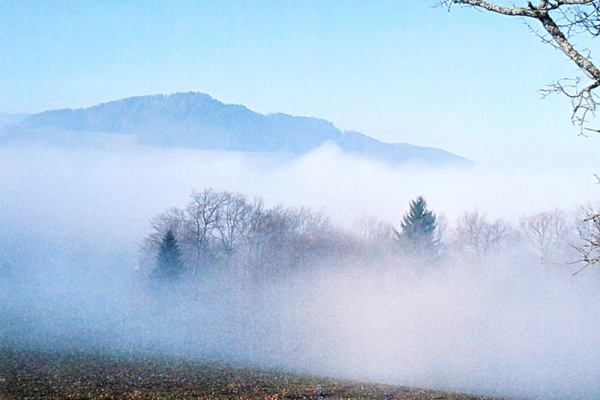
548	233
589	233
478	238
561	21
270	238
373	230
374	237
278	240
203	213
253	241
233	215
310	235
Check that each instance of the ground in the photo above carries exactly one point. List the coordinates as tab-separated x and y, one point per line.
52	375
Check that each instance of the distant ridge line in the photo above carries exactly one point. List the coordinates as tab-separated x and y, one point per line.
196	120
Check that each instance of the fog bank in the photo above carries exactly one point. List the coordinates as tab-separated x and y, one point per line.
72	221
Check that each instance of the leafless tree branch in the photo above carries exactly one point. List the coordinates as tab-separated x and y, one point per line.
590	235
561	20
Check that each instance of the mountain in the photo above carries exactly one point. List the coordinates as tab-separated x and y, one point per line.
396	153
196	120
9	119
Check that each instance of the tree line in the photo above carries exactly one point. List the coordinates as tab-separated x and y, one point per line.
226	232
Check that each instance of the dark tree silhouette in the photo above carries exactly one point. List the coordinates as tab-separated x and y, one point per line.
418	227
169	264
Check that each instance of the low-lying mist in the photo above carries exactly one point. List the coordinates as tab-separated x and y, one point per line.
73	223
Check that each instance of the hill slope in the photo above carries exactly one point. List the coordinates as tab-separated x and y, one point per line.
196	120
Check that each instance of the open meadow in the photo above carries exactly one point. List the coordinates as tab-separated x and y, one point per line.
47	375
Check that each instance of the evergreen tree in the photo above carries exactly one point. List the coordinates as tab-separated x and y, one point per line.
418	227
169	264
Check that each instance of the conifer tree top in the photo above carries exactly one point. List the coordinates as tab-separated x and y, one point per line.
169	263
418	225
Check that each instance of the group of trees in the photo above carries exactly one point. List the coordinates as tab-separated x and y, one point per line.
551	237
226	232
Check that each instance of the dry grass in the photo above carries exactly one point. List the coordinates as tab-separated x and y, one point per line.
45	375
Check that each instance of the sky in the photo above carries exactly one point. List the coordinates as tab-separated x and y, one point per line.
399	71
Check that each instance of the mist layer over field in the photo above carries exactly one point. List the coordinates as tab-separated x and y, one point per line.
73	220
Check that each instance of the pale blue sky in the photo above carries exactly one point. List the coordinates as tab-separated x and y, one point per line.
400	71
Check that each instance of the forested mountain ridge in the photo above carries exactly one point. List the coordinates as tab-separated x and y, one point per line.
8	119
196	120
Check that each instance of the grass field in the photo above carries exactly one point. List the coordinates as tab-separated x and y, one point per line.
47	375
